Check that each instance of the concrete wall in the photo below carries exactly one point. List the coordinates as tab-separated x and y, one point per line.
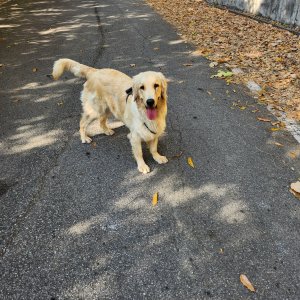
285	11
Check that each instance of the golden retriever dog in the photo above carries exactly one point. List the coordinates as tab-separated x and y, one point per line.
139	102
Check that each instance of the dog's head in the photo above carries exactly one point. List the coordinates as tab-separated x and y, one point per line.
149	90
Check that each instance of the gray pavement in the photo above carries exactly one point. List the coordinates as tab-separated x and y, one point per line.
76	221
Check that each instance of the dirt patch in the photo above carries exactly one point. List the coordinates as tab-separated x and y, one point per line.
260	52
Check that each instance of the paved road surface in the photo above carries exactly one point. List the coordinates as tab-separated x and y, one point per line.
77	221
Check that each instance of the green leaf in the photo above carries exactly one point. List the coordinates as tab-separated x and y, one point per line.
222	74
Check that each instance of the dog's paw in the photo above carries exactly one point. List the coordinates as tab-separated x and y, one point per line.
144	169
160	159
109	132
86	140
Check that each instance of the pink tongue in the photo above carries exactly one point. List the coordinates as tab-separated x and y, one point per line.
151	113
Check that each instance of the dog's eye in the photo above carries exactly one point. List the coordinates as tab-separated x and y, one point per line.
142	87
156	85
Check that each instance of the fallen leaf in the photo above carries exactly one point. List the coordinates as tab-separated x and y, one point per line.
263	119
292	154
213	64
275	123
156	48
222	74
254	54
274	128
60	103
34	70
155	199
255	110
221	251
245	281
187	65
132	65
1	65
94	144
190	162
295	186
295	189
223	60
209	93
242	107
278	144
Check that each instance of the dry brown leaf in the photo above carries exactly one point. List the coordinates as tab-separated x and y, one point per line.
187	65
254	54
246	282
295	186
263	119
190	162
155	199
94	145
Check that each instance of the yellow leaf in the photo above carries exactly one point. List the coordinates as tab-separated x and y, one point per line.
242	107
275	129
155	199
245	281
292	154
190	162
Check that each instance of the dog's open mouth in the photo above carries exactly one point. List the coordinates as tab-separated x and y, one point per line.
151	112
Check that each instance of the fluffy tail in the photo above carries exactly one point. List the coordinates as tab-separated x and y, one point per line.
65	64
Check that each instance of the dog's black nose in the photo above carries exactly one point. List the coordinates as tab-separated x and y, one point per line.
150	102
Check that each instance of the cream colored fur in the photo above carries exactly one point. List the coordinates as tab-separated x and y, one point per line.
104	93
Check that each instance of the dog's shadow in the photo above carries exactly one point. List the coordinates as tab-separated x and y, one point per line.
94	128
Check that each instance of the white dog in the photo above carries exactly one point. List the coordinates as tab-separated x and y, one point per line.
139	102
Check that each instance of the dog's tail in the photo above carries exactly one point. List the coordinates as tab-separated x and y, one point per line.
65	64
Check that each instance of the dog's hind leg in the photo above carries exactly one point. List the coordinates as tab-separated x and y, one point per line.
103	124
85	121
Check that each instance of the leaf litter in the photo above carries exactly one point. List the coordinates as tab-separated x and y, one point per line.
262	54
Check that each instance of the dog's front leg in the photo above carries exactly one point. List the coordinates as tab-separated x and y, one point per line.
153	149
136	144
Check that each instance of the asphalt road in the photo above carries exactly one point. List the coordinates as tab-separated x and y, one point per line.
76	221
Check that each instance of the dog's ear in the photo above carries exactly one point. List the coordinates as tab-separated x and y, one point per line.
129	91
164	86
